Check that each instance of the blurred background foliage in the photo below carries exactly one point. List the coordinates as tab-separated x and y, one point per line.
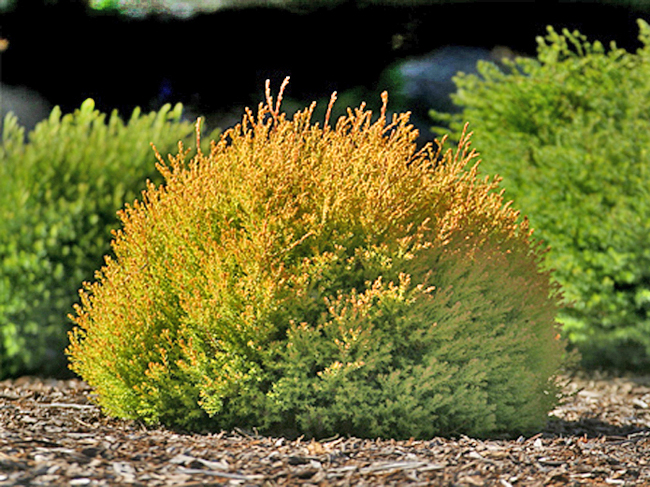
60	189
569	133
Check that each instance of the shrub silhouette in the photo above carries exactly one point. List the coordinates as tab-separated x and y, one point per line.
307	279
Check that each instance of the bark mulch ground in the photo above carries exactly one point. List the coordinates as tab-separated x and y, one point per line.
50	434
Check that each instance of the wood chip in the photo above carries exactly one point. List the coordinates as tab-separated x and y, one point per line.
50	434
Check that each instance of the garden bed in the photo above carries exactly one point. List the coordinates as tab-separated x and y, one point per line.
51	434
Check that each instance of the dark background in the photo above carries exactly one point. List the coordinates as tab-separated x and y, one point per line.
214	63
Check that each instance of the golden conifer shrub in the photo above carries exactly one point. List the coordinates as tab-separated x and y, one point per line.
322	279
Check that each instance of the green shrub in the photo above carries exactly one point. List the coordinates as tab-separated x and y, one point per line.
569	132
308	279
59	194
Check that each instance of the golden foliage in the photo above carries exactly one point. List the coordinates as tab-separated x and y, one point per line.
211	265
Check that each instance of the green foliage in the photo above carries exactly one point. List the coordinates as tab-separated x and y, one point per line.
450	355
569	133
59	194
308	279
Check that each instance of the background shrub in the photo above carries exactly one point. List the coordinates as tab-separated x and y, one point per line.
569	132
308	279
59	193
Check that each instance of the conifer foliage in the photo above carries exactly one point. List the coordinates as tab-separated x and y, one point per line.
60	187
322	279
569	133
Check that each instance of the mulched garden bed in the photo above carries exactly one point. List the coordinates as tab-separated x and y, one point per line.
51	434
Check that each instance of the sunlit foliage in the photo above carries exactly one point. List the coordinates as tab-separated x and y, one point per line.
60	189
569	132
322	279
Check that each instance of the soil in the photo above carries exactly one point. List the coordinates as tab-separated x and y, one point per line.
51	434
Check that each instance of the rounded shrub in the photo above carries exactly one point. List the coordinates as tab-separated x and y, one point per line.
60	189
320	280
569	133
